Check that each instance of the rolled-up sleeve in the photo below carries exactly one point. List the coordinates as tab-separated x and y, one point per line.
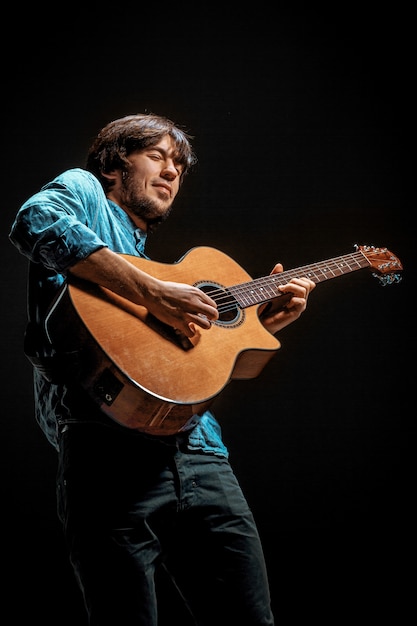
53	226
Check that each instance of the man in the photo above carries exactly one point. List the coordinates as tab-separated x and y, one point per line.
130	500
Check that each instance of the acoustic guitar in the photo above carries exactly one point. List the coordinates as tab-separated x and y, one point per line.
145	375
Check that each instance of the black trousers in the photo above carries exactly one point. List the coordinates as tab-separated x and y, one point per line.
132	504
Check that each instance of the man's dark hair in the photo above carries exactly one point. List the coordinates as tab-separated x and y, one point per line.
118	139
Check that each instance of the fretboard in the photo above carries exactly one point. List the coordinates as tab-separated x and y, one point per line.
264	289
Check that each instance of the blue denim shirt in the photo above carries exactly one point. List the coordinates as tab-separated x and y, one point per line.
67	220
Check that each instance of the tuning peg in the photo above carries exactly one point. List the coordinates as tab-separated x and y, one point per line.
388	279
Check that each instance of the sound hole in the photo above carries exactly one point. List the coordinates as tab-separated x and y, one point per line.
229	311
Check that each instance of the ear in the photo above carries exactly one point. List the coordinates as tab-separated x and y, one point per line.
113	176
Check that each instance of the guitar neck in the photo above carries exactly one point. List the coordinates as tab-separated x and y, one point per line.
264	289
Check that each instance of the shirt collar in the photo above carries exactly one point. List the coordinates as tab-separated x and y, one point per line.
139	234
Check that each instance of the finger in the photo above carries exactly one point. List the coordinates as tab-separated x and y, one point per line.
277	269
201	320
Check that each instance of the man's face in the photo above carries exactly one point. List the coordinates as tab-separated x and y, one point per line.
146	192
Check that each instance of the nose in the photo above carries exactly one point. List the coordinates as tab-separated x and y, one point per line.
169	171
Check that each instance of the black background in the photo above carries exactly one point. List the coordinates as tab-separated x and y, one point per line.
302	124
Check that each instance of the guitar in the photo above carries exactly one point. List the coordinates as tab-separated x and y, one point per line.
145	375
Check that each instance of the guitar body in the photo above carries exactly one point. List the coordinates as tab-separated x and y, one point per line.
140	371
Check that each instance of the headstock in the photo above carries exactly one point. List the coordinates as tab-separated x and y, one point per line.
384	262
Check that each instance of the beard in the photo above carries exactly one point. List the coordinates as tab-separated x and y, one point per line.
153	212
147	210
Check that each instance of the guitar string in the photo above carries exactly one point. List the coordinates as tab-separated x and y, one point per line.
319	271
277	279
